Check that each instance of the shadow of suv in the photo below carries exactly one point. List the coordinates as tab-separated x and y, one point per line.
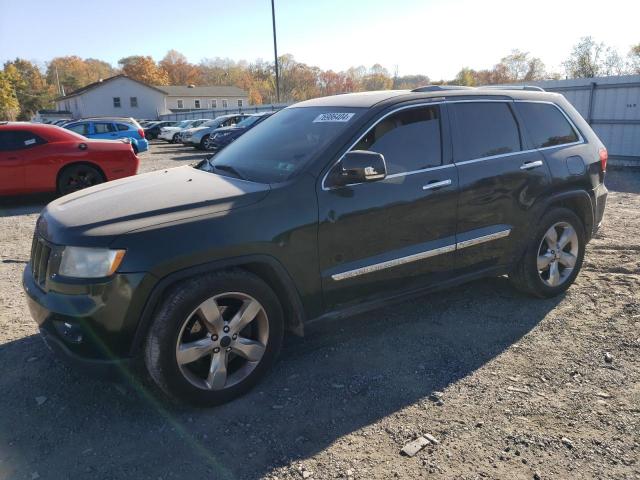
329	207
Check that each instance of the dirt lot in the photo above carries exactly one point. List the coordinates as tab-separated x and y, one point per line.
510	387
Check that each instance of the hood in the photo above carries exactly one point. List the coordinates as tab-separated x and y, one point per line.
197	129
171	129
97	215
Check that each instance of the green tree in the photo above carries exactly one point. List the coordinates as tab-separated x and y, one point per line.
634	58
592	59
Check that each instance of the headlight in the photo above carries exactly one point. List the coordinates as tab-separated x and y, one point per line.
82	262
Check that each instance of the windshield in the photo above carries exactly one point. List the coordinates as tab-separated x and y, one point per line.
248	121
283	144
211	123
184	123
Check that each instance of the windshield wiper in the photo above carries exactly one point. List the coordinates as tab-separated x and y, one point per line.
228	168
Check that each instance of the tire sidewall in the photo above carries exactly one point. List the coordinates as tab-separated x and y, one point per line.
161	341
531	256
69	171
203	142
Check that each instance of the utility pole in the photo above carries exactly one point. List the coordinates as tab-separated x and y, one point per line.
58	81
275	49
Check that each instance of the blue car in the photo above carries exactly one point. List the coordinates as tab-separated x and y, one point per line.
112	129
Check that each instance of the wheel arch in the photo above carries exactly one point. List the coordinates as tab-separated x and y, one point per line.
264	267
88	163
579	202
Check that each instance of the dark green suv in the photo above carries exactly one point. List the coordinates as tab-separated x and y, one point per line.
329	207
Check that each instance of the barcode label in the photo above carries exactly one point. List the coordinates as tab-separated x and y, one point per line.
334	117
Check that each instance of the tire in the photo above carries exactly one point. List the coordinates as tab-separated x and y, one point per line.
77	177
203	309
174	139
547	269
203	142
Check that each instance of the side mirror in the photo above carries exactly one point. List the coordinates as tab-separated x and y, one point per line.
360	166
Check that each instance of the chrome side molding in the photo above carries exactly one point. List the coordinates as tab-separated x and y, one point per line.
375	267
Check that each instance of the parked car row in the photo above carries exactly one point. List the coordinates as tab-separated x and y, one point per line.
37	157
111	128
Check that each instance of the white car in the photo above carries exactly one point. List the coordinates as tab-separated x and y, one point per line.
170	134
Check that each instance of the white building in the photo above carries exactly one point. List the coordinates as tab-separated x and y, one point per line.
122	96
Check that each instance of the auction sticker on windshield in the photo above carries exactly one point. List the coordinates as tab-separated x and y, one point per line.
334	117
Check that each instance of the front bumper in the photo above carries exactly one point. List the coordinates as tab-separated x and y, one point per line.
89	323
168	136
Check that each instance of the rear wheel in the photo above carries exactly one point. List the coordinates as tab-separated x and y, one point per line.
77	177
214	337
554	255
174	139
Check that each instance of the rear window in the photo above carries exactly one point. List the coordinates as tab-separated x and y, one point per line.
18	140
546	125
79	128
483	130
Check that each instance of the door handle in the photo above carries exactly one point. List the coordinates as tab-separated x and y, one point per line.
434	185
530	165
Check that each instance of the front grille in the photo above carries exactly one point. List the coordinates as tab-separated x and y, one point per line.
40	254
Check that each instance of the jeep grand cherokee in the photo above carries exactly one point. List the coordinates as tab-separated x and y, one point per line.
328	207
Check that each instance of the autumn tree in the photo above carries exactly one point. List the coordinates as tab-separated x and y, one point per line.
634	59
592	59
179	71
30	86
9	106
143	69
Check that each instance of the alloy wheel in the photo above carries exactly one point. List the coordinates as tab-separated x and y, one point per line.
557	254
222	341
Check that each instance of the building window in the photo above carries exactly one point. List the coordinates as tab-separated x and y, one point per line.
225	104
196	103
240	103
214	103
116	102
134	101
180	103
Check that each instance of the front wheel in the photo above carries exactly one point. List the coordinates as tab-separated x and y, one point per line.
554	255
203	143
174	139
77	177
214	337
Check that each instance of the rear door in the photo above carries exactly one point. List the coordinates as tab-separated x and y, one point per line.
106	130
396	234
500	179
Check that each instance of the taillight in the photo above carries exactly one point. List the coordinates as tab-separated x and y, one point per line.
604	156
141	132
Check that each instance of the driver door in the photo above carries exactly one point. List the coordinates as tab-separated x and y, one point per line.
398	233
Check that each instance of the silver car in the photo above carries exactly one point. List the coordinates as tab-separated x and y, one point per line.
196	137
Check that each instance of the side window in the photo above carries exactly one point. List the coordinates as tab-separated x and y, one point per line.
196	103
240	102
122	127
81	128
103	127
18	140
225	104
408	140
180	103
483	130
214	103
116	102
133	101
547	126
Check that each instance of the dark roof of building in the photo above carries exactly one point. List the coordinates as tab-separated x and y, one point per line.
202	91
93	85
51	112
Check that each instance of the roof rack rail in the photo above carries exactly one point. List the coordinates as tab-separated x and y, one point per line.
532	88
440	88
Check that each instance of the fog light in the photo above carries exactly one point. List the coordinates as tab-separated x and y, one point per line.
68	331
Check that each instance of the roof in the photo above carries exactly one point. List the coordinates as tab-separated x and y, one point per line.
100	82
213	91
370	99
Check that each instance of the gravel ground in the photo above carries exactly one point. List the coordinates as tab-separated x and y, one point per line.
506	386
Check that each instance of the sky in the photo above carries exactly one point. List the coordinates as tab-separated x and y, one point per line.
432	37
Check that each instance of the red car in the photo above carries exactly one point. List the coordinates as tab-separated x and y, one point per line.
45	158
